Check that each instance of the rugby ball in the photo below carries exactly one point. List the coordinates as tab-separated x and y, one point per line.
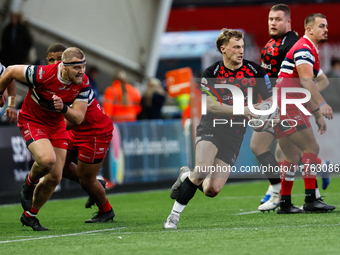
263	122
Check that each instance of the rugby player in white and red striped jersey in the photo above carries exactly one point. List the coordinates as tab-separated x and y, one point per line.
300	66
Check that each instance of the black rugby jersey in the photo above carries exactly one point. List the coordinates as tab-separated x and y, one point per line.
274	52
248	75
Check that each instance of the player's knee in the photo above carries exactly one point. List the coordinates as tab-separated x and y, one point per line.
258	148
254	148
52	180
47	163
211	192
86	181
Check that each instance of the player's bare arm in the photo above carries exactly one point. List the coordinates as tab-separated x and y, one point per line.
322	82
305	72
6	81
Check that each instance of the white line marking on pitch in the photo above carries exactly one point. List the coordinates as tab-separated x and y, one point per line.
223	229
242	213
73	234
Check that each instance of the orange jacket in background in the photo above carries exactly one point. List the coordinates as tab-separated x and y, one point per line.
113	105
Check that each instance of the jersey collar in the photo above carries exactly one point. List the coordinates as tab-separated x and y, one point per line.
317	50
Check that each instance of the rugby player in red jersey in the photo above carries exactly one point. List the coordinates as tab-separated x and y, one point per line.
42	123
274	52
88	142
298	69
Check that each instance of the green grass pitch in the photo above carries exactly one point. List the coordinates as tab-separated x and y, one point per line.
226	224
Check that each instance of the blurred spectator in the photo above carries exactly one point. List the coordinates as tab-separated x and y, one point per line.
16	42
121	100
92	74
332	93
153	100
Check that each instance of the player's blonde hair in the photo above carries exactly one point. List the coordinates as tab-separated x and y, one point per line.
70	53
225	36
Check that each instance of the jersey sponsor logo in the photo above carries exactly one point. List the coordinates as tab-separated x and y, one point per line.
204	82
82	155
41	72
210	135
266	66
216	69
252	68
307	55
30	74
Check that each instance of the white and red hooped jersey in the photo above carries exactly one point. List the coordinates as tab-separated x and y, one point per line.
303	52
44	82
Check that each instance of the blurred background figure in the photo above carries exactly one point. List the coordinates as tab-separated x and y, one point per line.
153	100
121	101
16	41
332	93
92	74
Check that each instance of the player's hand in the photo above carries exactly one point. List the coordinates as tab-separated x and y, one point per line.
326	111
58	102
322	126
11	113
249	114
2	101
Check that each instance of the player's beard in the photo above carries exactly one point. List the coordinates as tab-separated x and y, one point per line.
73	78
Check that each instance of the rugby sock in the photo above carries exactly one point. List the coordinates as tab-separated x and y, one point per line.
270	190
177	208
287	181
309	161
187	191
271	169
276	187
105	207
30	181
31	213
317	191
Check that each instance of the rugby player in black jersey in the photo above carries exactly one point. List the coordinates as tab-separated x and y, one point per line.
217	146
282	40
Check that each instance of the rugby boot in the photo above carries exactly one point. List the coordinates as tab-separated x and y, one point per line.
102	217
175	187
32	222
171	221
318	205
271	204
289	209
90	201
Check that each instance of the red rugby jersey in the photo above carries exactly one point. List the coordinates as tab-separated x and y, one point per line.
44	82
